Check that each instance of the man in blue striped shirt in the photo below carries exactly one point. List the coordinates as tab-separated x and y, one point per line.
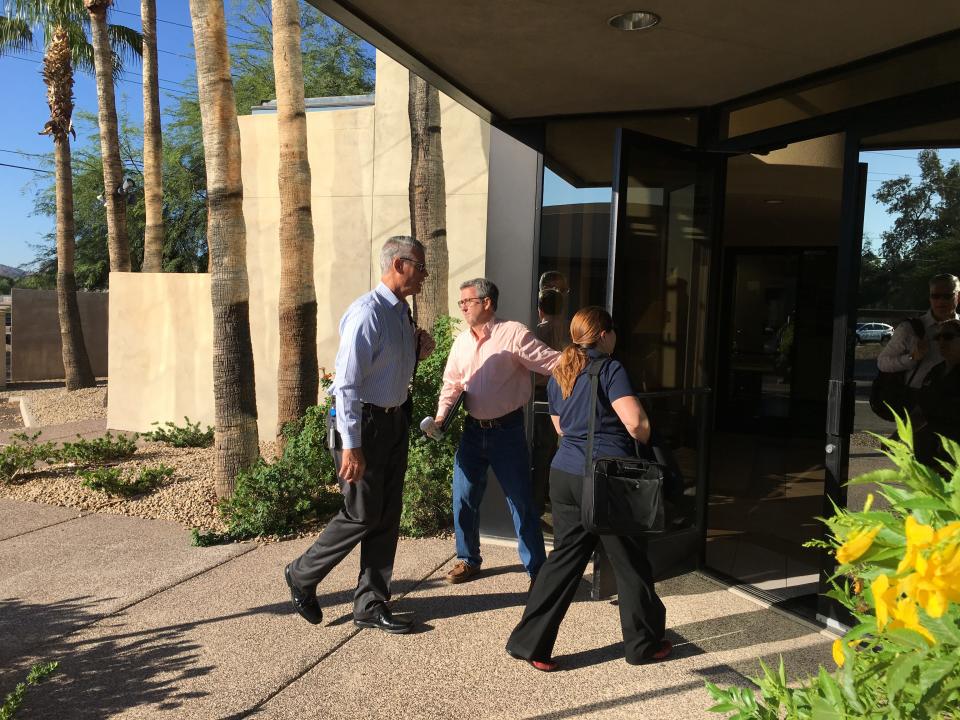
379	347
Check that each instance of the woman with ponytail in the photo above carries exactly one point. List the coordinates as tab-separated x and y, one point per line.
620	426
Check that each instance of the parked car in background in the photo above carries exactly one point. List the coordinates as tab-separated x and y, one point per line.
874	332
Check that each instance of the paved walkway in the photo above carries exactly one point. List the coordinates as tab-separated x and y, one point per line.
146	626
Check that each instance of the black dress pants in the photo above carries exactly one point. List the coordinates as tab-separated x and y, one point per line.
370	514
642	615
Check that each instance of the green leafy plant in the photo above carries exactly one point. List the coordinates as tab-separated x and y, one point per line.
187	435
23	453
38	673
113	482
428	487
108	448
280	498
899	576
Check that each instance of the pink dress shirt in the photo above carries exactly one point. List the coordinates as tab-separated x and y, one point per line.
493	363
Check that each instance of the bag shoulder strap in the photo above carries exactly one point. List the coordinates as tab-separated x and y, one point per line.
593	372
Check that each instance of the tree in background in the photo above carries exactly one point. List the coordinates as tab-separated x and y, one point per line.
60	22
58	75
335	61
428	198
152	144
924	239
298	380
235	401
110	44
184	208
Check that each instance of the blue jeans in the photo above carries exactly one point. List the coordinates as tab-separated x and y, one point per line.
503	448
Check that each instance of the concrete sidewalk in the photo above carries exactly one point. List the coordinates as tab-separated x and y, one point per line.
66	432
144	625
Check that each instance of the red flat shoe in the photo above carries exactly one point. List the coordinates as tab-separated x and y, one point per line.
543	665
666	647
662	653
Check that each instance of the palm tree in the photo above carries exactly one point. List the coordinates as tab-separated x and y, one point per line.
152	144
58	75
234	392
428	198
61	24
116	202
297	375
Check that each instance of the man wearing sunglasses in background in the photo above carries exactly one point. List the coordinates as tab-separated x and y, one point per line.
491	363
916	356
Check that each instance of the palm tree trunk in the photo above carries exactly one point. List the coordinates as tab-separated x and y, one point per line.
428	198
235	399
58	76
297	374
152	144
109	140
76	362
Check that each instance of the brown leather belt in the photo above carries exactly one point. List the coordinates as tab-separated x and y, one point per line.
496	422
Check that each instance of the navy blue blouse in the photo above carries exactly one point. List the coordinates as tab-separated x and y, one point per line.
610	436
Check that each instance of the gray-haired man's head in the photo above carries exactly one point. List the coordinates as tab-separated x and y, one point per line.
399	246
485	289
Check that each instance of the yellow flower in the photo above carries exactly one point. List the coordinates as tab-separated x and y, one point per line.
908	618
837	650
869	503
919	537
857	543
884	598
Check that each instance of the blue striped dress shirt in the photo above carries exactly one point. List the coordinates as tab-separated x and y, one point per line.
375	360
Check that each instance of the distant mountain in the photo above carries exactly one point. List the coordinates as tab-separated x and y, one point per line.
11	272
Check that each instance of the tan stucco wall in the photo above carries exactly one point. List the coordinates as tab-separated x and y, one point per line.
360	165
161	350
35	352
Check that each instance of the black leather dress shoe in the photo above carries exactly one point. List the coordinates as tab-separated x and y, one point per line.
303	602
382	619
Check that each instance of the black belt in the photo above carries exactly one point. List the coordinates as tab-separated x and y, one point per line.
496	422
377	410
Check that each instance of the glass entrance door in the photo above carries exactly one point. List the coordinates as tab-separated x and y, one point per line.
662	220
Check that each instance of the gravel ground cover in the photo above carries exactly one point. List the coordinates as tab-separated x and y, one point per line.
51	404
10	416
187	497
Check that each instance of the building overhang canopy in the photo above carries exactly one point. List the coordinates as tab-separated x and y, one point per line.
511	61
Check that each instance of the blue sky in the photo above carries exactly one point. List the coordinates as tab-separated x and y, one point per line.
26	113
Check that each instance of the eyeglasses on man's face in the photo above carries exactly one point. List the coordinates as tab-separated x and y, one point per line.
418	266
941	296
467	302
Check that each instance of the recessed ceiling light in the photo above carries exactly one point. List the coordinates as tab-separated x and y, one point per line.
635	20
773	201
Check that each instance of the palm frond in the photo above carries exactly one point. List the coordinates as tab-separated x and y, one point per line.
127	45
15	35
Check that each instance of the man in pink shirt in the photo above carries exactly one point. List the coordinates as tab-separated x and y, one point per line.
491	363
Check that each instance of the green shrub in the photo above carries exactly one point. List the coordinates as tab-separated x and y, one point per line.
187	435
22	454
38	673
280	498
113	482
428	488
108	448
899	576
